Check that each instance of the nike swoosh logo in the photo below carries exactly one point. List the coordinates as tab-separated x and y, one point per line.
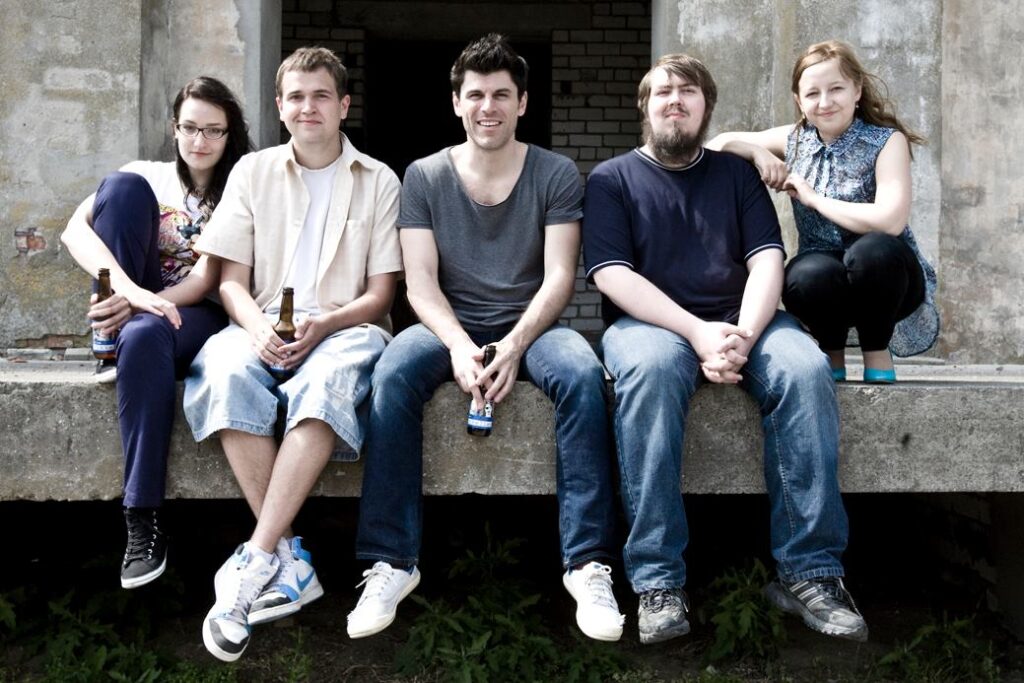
303	582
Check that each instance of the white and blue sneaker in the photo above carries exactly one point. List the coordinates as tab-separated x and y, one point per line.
294	585
386	586
237	584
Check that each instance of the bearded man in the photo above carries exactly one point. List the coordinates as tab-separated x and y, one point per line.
685	246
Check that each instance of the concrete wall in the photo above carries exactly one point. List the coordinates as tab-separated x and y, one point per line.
88	86
954	71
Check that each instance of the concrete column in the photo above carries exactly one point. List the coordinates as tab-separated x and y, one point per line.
982	226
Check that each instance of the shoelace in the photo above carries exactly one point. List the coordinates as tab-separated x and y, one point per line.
834	592
660	598
599	585
142	534
376	580
247	593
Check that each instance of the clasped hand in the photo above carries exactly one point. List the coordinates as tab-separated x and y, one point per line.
722	349
272	350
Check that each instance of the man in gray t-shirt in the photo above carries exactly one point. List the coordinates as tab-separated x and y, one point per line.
490	238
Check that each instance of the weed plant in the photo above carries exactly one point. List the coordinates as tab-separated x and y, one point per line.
76	639
493	631
946	652
747	626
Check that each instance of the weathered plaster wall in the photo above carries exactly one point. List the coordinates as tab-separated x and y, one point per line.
89	86
981	238
69	72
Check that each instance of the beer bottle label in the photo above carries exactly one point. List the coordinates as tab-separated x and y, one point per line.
102	343
480	419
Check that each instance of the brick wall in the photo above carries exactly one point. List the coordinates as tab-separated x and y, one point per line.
312	22
594	76
595	72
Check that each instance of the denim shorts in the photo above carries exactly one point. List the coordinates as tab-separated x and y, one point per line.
229	387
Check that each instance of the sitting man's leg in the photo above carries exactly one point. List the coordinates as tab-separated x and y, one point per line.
564	366
791	381
322	400
229	391
391	507
655	373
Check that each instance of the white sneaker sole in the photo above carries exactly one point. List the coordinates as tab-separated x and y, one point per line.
384	620
214	649
788	603
145	578
311	593
608	635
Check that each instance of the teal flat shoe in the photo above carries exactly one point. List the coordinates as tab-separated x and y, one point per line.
876	376
839	374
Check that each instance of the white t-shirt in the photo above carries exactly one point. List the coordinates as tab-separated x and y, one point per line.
302	274
181	221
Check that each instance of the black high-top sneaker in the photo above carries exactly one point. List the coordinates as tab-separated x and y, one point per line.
145	556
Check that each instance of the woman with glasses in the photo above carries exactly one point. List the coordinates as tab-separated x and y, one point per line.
846	165
141	224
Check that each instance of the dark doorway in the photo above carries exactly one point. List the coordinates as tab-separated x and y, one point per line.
408	101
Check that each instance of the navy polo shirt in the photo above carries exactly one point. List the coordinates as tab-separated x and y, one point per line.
689	231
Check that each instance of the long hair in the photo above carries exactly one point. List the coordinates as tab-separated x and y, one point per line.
214	92
874	107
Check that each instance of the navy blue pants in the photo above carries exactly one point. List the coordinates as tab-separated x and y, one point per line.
151	354
872	286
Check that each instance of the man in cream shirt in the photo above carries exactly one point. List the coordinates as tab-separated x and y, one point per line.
318	216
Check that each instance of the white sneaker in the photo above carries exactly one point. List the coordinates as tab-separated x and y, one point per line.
385	588
597	613
237	584
294	585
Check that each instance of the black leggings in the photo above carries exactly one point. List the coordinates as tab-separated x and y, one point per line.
873	285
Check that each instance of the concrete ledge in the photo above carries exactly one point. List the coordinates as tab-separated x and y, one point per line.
939	429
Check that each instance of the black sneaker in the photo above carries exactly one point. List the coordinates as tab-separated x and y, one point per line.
823	603
145	557
106	372
662	615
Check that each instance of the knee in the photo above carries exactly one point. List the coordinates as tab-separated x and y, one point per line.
145	333
125	189
813	278
874	253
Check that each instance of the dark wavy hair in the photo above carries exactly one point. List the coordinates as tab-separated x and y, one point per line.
214	92
488	55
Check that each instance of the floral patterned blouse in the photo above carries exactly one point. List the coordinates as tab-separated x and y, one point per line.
844	169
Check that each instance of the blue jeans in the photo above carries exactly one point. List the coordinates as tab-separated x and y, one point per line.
656	373
563	365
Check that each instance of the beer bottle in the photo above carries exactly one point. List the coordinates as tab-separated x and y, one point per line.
104	345
285	329
480	421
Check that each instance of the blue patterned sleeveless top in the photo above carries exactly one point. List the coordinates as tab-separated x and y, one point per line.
845	169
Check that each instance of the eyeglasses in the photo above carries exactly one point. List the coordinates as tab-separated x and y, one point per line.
188	130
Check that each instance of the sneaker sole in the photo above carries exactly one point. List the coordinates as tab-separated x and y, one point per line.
665	634
106	377
608	636
791	605
286	610
145	578
214	649
388	618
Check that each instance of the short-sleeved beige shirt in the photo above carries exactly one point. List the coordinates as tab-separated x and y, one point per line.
260	216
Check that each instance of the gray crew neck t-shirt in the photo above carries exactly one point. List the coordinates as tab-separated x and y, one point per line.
490	258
